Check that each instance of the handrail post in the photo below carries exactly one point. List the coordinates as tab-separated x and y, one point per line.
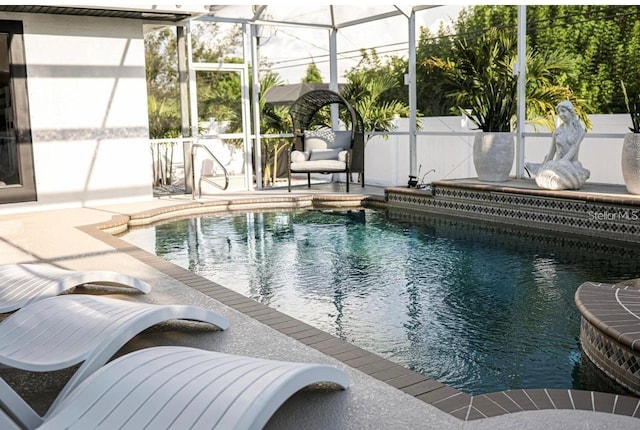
194	148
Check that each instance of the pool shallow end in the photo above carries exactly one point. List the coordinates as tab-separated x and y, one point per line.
120	223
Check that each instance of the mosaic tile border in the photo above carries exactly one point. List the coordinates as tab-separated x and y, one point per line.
502	234
523	207
610	329
443	397
617	361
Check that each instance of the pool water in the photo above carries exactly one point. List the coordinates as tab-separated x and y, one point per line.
472	306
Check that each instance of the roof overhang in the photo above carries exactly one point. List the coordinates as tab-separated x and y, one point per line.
165	14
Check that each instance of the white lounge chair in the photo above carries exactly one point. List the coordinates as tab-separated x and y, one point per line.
25	283
172	387
59	332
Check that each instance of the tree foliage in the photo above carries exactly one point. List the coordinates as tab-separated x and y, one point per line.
162	88
161	63
218	92
481	82
604	39
313	75
633	108
273	120
432	100
369	89
164	117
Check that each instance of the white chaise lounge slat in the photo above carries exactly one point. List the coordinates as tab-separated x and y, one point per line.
21	284
62	331
6	423
172	387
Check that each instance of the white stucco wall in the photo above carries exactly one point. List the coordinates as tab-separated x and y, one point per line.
88	109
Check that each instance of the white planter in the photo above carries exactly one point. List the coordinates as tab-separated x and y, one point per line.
631	162
493	155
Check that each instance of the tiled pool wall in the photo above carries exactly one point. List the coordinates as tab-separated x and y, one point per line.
610	322
574	212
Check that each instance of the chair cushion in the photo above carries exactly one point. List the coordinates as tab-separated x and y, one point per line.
325	138
324	154
319	166
298	156
343	139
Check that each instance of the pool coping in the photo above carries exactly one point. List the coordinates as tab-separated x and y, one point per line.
448	399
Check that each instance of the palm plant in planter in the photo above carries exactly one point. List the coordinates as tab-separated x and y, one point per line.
480	81
631	147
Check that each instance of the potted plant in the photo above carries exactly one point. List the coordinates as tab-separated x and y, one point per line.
481	82
630	160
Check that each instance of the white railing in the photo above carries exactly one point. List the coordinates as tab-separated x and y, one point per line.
168	162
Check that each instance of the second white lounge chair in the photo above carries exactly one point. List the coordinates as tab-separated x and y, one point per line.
62	331
21	284
181	388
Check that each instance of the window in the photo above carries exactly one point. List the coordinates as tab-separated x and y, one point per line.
17	179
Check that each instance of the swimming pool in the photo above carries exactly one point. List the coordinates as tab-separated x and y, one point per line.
472	306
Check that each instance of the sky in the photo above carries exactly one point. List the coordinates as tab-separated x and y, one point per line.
289	50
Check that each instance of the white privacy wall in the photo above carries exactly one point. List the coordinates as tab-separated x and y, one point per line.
387	160
88	106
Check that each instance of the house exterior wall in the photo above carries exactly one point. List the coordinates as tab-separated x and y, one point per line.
88	110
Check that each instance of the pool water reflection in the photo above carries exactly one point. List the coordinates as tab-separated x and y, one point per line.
472	306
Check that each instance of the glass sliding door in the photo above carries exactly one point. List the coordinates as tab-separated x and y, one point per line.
17	179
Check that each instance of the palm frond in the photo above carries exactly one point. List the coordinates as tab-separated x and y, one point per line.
632	108
482	80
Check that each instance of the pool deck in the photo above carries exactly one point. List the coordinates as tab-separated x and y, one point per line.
382	395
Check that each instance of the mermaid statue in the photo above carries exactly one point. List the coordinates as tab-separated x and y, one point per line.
560	169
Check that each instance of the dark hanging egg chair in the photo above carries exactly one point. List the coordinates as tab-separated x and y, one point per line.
317	148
